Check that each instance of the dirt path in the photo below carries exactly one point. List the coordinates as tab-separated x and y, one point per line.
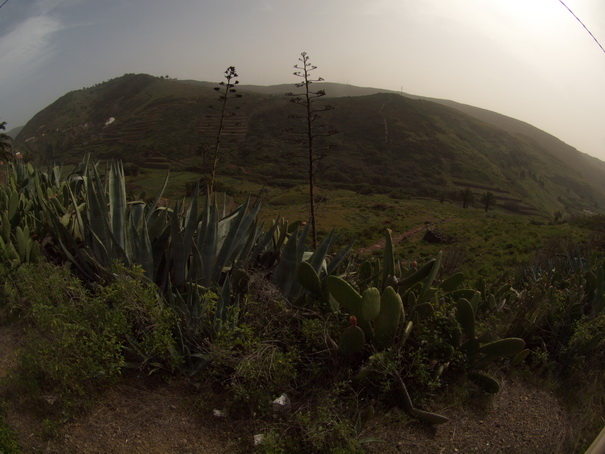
159	419
169	419
520	419
11	339
138	416
396	238
147	415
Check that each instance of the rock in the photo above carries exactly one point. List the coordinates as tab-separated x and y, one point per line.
281	404
219	413
258	439
434	236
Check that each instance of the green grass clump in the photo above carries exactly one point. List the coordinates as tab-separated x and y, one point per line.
78	341
74	340
8	438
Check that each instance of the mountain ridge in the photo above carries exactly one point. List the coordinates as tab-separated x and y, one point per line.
389	141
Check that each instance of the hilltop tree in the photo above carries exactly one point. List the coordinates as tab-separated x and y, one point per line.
488	200
227	91
313	130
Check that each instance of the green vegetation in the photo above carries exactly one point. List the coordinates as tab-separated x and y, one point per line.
427	270
340	334
8	438
5	144
387	144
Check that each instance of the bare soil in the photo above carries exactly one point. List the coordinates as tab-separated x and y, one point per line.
520	419
399	238
148	415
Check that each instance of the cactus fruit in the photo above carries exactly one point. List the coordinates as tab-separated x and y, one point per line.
352	339
348	298
422	272
391	311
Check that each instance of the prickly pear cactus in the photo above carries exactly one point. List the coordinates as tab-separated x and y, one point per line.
391	312
370	304
352	339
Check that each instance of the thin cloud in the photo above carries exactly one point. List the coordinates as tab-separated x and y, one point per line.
266	6
26	47
44	7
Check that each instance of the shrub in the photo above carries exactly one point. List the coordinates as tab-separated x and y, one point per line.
74	340
257	359
8	442
151	323
78	340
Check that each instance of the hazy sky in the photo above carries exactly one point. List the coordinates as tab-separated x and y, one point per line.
529	59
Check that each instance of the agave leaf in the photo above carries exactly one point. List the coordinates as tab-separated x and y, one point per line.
337	260
286	270
389	257
81	260
426	288
155	202
235	239
318	259
117	202
140	248
178	254
207	240
264	240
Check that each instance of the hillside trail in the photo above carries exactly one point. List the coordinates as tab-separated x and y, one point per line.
398	238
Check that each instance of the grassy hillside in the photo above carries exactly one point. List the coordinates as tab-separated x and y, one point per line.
387	143
590	168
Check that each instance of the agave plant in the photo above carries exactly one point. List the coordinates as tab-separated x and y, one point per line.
175	246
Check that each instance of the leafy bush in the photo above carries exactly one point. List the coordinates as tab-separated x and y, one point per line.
78	340
8	442
74	340
151	323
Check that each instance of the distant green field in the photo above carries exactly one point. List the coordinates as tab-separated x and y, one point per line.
477	242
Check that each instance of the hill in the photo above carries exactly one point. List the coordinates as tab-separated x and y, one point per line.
14	132
588	167
387	142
